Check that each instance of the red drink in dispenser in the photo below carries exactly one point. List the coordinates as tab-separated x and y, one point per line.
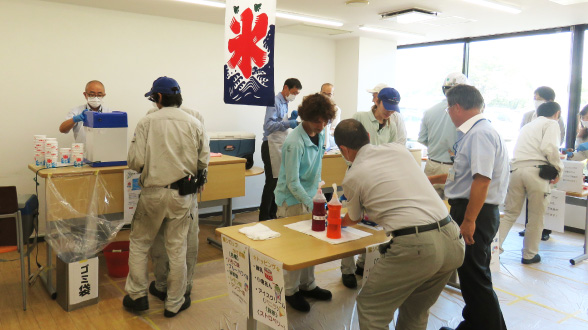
319	214
334	218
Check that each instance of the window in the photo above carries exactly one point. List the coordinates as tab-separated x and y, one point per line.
420	75
507	72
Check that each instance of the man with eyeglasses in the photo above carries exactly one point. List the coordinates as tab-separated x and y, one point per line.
75	118
475	186
300	174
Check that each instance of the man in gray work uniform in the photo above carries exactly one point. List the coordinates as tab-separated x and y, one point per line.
169	149
425	248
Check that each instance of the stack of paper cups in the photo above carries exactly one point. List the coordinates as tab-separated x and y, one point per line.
65	156
39	146
51	152
77	154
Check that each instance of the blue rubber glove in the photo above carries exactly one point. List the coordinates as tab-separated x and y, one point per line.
293	123
570	155
583	146
80	117
294	115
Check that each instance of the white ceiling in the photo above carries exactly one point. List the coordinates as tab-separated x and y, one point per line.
536	14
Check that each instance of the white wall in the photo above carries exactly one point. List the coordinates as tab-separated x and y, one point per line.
49	51
377	64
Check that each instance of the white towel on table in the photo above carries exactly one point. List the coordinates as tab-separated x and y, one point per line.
259	232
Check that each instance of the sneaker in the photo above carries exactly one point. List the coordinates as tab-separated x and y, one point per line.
534	260
298	302
522	233
317	293
446	328
185	305
159	294
359	271
137	305
544	236
349	280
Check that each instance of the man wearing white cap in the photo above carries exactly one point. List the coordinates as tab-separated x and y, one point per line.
438	133
94	94
396	116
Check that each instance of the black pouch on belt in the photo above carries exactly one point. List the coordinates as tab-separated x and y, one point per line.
547	172
187	185
385	246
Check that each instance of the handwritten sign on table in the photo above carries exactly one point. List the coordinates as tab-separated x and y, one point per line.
236	257
267	281
372	256
572	177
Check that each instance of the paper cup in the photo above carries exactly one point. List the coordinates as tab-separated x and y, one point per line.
39	159
78	159
65	155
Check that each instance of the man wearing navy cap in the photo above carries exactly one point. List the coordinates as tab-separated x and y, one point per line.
169	149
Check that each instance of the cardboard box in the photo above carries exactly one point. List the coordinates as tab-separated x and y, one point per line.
77	283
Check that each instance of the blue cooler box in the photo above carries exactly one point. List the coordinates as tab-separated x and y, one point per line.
237	144
106	138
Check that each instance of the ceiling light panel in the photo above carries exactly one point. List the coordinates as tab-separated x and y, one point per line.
411	15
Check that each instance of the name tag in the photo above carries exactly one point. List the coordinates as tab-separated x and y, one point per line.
451	174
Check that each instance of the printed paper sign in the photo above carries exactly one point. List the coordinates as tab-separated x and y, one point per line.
132	190
249	52
572	177
269	302
556	211
372	256
83	280
236	257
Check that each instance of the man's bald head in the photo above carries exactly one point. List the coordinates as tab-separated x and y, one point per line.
95	85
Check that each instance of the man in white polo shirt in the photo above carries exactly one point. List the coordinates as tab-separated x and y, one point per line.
94	94
426	246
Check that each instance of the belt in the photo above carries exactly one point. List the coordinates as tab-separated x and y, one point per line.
444	163
174	185
421	229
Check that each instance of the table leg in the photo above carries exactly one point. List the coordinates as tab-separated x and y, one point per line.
227	221
47	276
584	256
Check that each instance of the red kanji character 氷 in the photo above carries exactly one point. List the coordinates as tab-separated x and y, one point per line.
244	46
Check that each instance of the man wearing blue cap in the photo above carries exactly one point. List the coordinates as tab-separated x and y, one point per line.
380	129
170	150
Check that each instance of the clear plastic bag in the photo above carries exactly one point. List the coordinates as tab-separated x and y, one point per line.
80	227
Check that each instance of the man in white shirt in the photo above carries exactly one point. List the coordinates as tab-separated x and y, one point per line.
537	145
94	94
426	246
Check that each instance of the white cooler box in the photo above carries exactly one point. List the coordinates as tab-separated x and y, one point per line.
237	144
106	138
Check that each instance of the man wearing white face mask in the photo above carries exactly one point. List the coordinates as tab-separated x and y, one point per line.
75	118
541	95
275	130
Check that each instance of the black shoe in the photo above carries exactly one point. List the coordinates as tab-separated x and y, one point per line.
359	271
544	236
137	305
159	294
185	305
522	233
349	280
446	328
317	293
534	260
298	302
